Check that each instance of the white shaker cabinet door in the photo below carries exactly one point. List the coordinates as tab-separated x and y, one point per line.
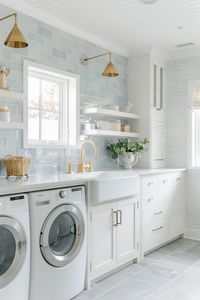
165	187
178	188
103	239
127	229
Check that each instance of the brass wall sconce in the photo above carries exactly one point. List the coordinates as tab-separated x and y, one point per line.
15	39
110	70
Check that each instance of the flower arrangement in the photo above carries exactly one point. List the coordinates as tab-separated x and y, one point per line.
123	146
127	152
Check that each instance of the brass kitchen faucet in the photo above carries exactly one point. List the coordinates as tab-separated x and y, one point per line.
83	166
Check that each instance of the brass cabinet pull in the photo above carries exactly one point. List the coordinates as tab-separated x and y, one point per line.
159	228
115	218
158	213
119	217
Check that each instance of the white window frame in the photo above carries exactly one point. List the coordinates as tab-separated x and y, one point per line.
190	149
73	94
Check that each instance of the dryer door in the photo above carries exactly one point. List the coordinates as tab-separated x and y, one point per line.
62	235
12	249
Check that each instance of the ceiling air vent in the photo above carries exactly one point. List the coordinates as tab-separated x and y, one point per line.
185	45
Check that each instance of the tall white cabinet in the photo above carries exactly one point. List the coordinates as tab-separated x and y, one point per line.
146	91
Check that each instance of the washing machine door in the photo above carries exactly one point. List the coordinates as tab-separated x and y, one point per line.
62	235
12	249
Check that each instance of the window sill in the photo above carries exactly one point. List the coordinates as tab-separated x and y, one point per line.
48	146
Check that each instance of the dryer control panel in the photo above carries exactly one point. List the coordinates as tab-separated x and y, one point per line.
14	202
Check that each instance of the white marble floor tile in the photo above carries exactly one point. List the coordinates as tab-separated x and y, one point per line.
170	273
157	255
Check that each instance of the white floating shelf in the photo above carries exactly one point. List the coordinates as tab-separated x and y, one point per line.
11	95
114	114
109	133
11	125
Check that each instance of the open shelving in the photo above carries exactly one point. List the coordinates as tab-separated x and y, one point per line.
9	95
114	114
109	133
11	125
99	113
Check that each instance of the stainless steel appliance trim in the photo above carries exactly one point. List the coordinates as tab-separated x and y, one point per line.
49	256
19	235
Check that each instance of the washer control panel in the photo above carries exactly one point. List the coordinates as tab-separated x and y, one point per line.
62	194
58	196
76	193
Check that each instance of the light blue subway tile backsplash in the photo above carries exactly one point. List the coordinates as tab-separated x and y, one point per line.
51	46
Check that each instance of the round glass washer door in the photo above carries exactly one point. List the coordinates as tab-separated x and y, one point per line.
62	235
12	249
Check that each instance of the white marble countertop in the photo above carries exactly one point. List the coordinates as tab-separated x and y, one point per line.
39	182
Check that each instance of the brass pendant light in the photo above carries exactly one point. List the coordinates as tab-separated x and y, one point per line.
15	39
109	71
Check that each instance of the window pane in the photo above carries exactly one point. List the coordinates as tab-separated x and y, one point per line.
50	126
33	92
50	95
33	124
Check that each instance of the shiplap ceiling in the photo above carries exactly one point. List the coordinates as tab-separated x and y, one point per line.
128	27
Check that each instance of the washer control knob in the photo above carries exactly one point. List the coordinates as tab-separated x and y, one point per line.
62	194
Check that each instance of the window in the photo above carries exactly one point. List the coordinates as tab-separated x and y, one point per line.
52	107
194	100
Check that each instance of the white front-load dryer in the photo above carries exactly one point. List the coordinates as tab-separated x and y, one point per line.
58	243
14	247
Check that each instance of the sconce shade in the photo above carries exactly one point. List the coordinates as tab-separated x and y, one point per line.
110	70
15	38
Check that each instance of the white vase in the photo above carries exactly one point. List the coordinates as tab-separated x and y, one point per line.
128	160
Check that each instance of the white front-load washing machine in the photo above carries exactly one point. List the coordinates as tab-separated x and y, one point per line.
14	247
58	243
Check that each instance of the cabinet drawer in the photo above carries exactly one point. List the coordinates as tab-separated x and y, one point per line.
155	234
153	210
176	225
148	184
164	187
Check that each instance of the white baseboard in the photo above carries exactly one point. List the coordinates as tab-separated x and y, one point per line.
192	233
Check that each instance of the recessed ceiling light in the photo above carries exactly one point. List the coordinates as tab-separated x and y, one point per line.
148	1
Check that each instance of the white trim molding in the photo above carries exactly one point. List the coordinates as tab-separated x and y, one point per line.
192	234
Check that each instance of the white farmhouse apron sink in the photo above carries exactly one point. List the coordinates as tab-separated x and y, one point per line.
112	185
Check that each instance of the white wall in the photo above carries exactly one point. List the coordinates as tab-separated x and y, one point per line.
55	48
179	72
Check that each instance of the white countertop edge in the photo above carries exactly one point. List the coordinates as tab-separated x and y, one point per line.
36	183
